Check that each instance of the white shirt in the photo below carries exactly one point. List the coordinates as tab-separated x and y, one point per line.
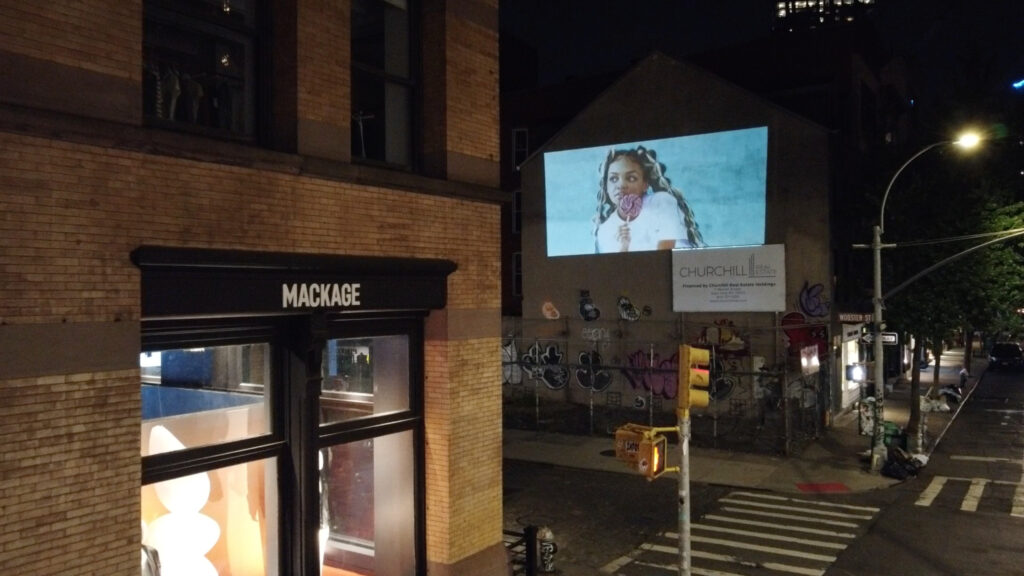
659	220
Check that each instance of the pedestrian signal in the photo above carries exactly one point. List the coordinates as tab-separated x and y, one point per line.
627	444
694	377
653	456
644	449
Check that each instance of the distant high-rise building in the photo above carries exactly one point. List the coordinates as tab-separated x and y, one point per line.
806	14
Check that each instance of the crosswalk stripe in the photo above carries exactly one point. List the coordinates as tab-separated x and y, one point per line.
674	568
803	541
791	528
733	528
986	459
776	566
975	492
1018	498
776	497
760	548
970	501
989	480
795	509
790	517
928	494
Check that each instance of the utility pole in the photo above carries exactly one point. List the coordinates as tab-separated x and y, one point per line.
684	492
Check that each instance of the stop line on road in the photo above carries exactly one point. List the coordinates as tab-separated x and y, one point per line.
753	531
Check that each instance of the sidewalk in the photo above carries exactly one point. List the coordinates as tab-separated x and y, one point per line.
832	463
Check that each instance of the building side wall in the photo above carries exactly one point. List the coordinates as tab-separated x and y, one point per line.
683	100
74	213
324	79
83	58
69	477
73	208
471	104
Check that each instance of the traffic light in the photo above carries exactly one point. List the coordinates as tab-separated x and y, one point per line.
693	379
653	456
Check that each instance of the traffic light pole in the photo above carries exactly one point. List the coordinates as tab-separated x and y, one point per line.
684	492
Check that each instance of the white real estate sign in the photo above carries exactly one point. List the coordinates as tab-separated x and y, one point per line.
747	279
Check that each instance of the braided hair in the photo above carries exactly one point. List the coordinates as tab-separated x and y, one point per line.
654	174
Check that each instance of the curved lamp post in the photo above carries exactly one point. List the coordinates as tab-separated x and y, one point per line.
878	450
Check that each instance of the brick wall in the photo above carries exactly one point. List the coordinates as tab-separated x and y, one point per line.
72	209
323	67
96	35
473	107
66	260
69	474
464	502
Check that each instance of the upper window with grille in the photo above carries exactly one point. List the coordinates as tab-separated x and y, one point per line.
200	66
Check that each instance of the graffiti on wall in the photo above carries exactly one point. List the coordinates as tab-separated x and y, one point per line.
629	311
812	300
588	310
801	332
652	373
511	373
543	363
722	334
591	375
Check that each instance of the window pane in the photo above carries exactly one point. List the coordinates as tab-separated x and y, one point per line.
199	67
204	396
223	522
367	507
364	376
381	119
380	36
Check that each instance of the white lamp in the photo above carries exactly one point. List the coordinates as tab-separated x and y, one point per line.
183	536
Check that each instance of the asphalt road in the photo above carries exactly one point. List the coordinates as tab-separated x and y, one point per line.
596	517
964	513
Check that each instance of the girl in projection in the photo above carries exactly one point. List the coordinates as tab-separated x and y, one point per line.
638	208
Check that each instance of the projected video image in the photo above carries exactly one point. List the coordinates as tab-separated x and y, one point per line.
706	190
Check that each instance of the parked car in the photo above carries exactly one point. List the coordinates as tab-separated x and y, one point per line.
1005	355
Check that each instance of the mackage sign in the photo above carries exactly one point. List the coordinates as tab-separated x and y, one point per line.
320	295
197	282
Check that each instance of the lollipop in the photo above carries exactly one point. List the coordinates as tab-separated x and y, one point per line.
629	206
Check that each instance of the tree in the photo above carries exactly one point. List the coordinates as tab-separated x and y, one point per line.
980	291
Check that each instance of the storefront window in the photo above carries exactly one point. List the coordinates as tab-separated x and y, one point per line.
367	507
217	523
206	395
363	377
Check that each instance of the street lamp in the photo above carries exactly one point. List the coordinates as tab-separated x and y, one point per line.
878	451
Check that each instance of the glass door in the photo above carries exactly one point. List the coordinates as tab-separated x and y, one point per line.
369	423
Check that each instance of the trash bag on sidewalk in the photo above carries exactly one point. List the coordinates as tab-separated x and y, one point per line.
899	464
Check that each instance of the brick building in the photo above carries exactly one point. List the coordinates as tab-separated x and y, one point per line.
250	292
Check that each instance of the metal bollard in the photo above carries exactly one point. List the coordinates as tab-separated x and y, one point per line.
548	548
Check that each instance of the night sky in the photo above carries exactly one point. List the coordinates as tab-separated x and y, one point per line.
578	38
953	46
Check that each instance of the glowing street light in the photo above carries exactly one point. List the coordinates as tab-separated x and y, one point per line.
966	141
